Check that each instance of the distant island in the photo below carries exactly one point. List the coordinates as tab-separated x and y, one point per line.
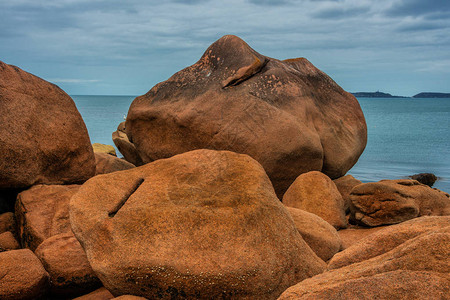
376	94
432	95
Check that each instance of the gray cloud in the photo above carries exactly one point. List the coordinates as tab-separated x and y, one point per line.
418	7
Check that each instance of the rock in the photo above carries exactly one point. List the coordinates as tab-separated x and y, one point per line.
345	184
203	224
354	233
288	115
394	201
129	297
425	178
43	211
8	241
417	269
99	294
317	233
125	147
387	239
22	275
67	265
316	193
7	222
106	163
43	139
102	148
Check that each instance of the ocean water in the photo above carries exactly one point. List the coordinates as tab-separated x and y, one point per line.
405	136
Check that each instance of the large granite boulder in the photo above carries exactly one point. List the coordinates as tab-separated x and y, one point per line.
345	184
416	269
43	138
288	115
203	224
125	147
22	276
106	163
316	193
393	201
42	212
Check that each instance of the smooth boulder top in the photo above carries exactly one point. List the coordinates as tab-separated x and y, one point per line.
288	115
203	224
43	139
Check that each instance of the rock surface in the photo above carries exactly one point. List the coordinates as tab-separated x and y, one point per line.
345	184
125	147
102	148
314	192
67	265
354	233
323	239
393	201
288	115
43	211
8	241
203	224
7	222
387	239
43	138
425	178
106	163
417	269
22	275
99	294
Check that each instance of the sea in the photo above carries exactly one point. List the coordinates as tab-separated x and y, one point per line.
406	136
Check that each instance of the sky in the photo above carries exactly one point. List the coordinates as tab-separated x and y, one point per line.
110	47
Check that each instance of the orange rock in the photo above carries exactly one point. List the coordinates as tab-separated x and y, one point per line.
386	239
125	147
22	275
203	224
417	269
354	233
106	163
314	192
288	115
394	201
43	211
345	184
7	222
67	264
99	294
317	233
8	241
43	139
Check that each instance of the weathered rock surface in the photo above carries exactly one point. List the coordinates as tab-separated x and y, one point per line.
387	239
102	148
345	184
323	239
125	147
99	294
7	222
22	275
129	297
43	211
43	138
425	178
394	201
417	269
67	265
203	224
354	233
106	163
288	115
8	241
316	193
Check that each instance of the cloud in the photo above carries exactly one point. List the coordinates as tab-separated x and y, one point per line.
418	7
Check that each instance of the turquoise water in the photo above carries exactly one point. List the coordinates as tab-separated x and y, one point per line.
405	136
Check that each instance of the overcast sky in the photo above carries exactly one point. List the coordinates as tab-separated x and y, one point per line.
125	47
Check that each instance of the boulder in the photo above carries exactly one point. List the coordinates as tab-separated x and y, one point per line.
345	184
417	269
106	163
129	297
43	211
354	233
67	265
7	222
393	201
316	193
323	239
425	178
102	148
288	115
203	224
99	294
125	147
386	239
8	241
43	139
22	275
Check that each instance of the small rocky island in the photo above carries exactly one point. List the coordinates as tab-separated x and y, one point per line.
432	95
233	185
376	94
